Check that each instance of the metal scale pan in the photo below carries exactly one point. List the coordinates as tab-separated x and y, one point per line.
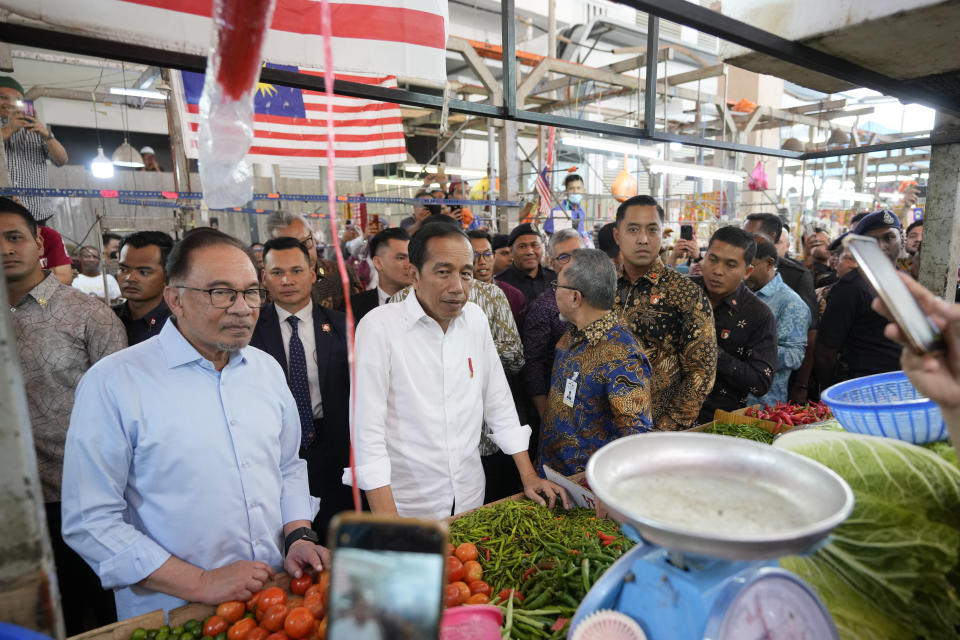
718	496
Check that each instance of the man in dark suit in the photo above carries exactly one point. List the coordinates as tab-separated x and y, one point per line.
388	251
309	342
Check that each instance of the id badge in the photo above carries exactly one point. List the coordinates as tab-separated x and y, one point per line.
570	392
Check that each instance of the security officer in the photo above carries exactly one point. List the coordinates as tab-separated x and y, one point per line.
850	328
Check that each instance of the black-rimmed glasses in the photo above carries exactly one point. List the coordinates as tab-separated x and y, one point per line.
556	285
486	255
223	298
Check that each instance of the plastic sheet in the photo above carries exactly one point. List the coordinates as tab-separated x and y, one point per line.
226	105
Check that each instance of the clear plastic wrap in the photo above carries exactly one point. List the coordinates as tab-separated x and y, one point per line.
226	105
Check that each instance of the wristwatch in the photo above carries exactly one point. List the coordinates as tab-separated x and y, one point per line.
300	534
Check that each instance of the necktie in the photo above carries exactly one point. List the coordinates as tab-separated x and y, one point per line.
299	385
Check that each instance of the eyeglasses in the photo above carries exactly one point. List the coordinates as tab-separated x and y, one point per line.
486	255
223	298
563	258
556	285
308	241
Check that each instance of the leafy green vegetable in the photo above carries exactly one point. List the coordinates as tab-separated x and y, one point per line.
944	449
748	431
892	569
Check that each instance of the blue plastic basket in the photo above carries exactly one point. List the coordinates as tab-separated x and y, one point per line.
886	404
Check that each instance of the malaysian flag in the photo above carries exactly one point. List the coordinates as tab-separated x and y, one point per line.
290	124
382	37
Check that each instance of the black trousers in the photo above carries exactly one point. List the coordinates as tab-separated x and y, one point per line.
503	479
86	604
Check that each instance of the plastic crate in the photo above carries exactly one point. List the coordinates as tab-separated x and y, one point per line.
886	404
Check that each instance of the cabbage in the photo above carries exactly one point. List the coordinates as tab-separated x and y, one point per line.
892	570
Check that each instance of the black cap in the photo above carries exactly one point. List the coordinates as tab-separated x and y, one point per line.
525	229
500	241
882	219
836	244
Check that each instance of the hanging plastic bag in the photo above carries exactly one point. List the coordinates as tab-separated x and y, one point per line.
758	178
226	104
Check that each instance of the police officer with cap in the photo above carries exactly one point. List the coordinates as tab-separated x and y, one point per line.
851	343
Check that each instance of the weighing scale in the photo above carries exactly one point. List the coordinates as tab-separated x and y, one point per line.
710	515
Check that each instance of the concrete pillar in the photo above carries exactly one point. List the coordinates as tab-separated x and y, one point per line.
766	91
28	579
941	218
509	172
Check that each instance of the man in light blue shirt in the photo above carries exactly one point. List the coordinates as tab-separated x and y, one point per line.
792	315
182	480
570	213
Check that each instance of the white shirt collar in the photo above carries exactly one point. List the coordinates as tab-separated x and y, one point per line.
382	296
305	314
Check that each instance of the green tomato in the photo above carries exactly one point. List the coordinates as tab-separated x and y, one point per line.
193	627
163	635
221	636
151	634
164	628
139	634
177	631
186	635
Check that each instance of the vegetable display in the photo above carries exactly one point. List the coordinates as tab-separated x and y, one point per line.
547	560
791	414
892	569
748	431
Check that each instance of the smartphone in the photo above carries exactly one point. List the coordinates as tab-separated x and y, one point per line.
28	109
387	577
686	232
921	191
922	334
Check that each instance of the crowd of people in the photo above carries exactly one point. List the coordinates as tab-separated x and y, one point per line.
210	411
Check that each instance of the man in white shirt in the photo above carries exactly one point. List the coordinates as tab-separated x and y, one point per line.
388	252
90	280
428	377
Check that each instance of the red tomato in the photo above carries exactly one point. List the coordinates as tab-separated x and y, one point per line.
294	602
479	586
299	585
472	571
270	597
253	601
241	628
231	611
320	631
451	595
451	550
464	590
313	589
279	635
478	598
324	581
299	623
216	624
274	616
257	633
455	570
466	552
503	595
314	602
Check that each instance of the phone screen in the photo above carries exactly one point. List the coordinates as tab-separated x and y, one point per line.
876	267
686	232
386	581
26	106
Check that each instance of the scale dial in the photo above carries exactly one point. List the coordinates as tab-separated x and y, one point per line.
775	605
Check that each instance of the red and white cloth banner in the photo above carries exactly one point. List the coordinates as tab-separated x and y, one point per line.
403	38
290	124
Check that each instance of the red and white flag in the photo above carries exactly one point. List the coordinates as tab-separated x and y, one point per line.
403	38
290	125
543	186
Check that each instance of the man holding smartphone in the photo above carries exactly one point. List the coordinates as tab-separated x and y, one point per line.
850	328
29	144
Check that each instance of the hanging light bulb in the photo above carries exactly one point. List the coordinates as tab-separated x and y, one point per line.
101	167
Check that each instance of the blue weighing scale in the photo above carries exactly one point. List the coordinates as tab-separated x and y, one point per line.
693	579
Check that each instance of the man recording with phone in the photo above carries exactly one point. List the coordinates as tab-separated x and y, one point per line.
29	144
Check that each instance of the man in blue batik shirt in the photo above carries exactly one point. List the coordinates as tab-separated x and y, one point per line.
182	480
600	387
570	213
792	316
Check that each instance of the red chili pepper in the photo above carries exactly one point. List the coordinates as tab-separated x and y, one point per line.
487	554
484	539
607	543
788	420
573	552
528	572
587	534
559	624
605	537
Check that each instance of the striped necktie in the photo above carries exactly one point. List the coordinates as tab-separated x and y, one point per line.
299	384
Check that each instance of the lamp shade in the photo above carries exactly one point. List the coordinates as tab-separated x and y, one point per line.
101	167
792	144
126	156
838	137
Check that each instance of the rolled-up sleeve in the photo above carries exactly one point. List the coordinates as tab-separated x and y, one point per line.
792	335
97	460
295	500
370	409
499	411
